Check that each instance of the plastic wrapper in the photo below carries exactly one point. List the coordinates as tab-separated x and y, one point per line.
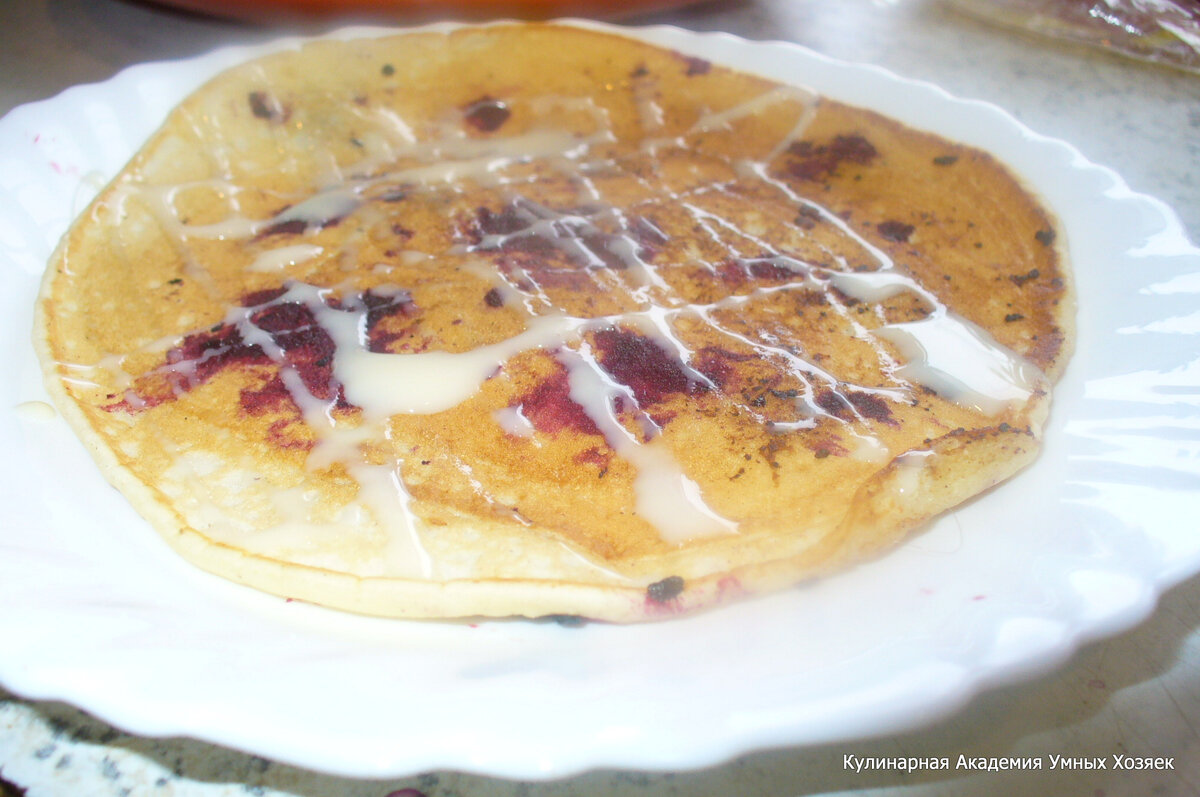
1161	31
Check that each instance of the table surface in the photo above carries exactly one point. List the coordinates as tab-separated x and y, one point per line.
1138	693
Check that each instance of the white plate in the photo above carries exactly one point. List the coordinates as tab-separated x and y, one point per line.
96	611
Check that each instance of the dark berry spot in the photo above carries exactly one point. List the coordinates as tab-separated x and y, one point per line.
895	231
697	66
650	371
265	106
808	217
665	590
287	227
854	148
818	161
567	620
550	408
486	114
832	403
1020	279
871	406
255	298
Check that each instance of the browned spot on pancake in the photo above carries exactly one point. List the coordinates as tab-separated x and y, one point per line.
1020	279
1047	345
770	450
825	444
600	457
813	298
895	230
756	396
719	365
818	161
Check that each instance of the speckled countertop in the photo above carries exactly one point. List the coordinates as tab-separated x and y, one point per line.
1138	693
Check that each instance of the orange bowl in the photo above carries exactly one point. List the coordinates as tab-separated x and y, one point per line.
408	10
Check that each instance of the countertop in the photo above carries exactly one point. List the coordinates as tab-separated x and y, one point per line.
1136	694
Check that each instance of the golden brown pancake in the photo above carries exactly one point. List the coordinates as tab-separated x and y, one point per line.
537	320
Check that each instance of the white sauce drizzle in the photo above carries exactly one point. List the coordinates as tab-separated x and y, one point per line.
961	362
869	449
385	384
284	257
909	467
320	209
38	411
665	496
513	421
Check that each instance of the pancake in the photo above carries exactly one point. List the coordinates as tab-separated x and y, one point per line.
538	320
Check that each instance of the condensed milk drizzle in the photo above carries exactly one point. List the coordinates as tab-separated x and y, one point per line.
666	497
941	351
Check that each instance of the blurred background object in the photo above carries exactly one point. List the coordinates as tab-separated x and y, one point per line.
1162	31
411	10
